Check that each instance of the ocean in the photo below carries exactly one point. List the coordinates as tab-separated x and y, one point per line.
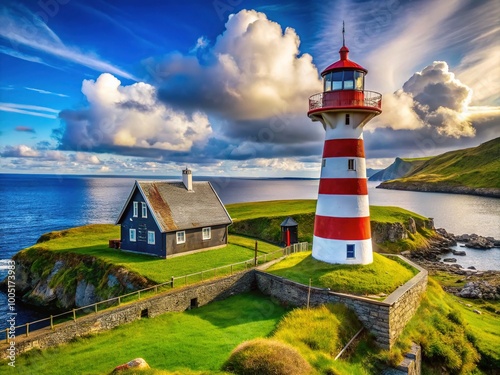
37	204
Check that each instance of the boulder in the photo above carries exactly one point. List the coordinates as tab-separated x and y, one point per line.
137	364
480	290
479	242
450	260
458	252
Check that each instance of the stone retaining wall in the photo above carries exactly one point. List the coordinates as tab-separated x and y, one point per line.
384	319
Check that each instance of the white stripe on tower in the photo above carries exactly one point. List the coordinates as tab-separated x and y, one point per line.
342	222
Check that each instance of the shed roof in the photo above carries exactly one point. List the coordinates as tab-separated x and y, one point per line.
176	208
289	222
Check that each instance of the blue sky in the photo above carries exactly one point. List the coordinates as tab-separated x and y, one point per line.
148	87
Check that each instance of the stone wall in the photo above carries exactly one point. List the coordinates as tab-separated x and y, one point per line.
411	363
384	319
176	300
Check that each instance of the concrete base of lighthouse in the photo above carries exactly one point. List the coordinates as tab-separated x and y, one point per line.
334	251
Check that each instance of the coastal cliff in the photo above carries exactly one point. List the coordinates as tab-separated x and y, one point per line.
436	187
469	171
60	281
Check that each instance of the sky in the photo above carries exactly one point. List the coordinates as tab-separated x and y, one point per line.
149	87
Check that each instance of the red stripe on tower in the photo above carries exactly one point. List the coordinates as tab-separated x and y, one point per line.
344	147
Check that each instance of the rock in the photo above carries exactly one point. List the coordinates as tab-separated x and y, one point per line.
450	260
462	238
459	252
478	242
471	268
477	311
137	364
85	294
412	226
480	290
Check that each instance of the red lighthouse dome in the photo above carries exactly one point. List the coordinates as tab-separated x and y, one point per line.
344	88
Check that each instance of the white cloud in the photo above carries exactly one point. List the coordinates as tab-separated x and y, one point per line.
40	91
21	27
119	117
27	109
254	71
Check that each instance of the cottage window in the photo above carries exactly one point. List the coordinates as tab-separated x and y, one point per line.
351	164
136	209
144	210
181	237
207	233
151	237
132	235
351	252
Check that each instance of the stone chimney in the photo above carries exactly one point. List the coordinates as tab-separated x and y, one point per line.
187	179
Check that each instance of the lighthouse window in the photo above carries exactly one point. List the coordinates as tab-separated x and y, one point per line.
358	81
348	80
328	82
351	164
347	119
337	80
351	251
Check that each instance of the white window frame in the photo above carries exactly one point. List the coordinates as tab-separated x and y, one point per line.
136	209
151	237
351	164
144	211
179	233
209	230
132	235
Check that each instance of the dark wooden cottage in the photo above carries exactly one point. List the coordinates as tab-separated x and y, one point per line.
163	218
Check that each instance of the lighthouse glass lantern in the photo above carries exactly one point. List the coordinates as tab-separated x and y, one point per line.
342	222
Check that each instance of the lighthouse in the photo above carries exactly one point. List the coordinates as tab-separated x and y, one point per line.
342	222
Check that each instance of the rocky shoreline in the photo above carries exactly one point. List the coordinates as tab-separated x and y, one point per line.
476	284
439	188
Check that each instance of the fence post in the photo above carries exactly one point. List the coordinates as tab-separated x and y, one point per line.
51	322
27	329
119	300
74	315
139	293
156	289
172	282
231	269
255	255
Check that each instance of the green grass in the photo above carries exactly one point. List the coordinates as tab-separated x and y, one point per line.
475	167
198	340
382	276
253	210
451	335
92	240
391	214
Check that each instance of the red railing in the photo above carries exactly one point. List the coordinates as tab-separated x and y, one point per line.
342	99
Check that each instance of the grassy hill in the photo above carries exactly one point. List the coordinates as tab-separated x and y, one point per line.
263	219
473	170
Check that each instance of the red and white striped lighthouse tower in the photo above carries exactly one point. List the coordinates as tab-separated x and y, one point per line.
342	224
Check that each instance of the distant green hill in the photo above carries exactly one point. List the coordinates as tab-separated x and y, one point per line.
400	168
469	171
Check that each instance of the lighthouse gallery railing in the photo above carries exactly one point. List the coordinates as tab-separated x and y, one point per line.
368	99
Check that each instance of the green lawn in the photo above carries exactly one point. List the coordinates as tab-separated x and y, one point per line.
252	210
93	239
382	276
199	339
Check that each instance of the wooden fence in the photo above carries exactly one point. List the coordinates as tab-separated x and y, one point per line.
175	281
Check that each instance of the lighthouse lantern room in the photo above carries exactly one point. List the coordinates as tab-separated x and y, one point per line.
342	222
